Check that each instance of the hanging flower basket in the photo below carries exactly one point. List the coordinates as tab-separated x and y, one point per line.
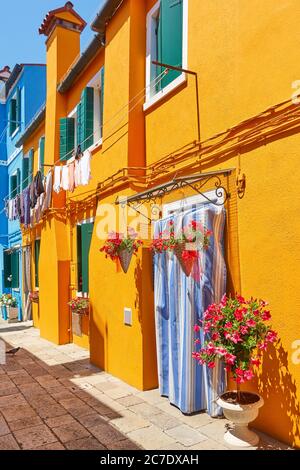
186	243
120	247
186	258
125	258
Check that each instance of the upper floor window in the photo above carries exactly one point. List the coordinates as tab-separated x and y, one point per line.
14	117
84	124
167	44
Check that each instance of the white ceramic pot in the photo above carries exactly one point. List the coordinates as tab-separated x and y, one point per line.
240	416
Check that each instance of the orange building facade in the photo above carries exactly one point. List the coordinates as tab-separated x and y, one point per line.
149	127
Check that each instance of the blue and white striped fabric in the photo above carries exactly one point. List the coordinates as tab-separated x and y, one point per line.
179	302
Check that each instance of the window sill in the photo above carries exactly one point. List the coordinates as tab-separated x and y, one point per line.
165	91
95	146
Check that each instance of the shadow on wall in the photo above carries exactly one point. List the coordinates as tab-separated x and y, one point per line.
279	390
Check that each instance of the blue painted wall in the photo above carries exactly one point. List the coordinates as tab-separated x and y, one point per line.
31	83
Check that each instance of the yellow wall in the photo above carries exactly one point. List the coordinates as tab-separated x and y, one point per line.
246	60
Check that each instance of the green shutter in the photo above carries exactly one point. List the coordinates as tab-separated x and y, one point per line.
30	166
25	172
13	186
7	268
12	116
42	154
18	181
67	138
15	269
79	129
101	99
86	237
79	260
37	245
18	108
170	37
86	118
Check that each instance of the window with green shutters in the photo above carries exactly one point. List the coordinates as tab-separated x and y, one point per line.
25	171
11	269
13	186
42	154
67	138
37	245
84	237
85	119
15	112
165	41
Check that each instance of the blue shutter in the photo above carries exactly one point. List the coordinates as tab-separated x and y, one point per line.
170	37
18	108
12	116
18	181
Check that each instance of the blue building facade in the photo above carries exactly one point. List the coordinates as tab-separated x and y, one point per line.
23	94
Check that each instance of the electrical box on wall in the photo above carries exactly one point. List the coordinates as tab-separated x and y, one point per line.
128	316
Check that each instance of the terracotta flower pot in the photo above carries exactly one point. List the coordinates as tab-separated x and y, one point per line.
77	323
240	415
125	258
13	314
186	264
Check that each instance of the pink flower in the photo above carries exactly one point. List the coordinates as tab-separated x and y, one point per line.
251	323
271	336
223	300
235	338
240	299
248	374
238	314
211	364
266	315
244	330
196	328
210	348
262	346
230	358
215	336
240	380
228	325
227	335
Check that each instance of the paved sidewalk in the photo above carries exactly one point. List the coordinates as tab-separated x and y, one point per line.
51	397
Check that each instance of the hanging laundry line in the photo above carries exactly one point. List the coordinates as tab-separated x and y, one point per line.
153	82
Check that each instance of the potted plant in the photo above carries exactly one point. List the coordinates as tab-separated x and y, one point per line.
79	307
121	247
11	305
235	332
185	243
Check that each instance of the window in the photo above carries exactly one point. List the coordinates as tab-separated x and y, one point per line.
84	237
166	43
11	269
25	171
15	184
37	245
41	154
83	126
15	112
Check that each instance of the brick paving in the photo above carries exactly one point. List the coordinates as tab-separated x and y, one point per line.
52	398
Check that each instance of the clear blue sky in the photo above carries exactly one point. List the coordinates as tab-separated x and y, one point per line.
20	41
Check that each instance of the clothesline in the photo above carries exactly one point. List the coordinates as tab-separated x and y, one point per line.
153	82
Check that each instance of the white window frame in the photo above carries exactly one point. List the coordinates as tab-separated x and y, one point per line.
150	55
14	97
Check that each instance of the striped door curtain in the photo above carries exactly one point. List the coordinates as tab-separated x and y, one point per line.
179	302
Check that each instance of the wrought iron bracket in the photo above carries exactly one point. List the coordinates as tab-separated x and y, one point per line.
195	182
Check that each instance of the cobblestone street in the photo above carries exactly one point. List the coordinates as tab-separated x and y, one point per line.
51	397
